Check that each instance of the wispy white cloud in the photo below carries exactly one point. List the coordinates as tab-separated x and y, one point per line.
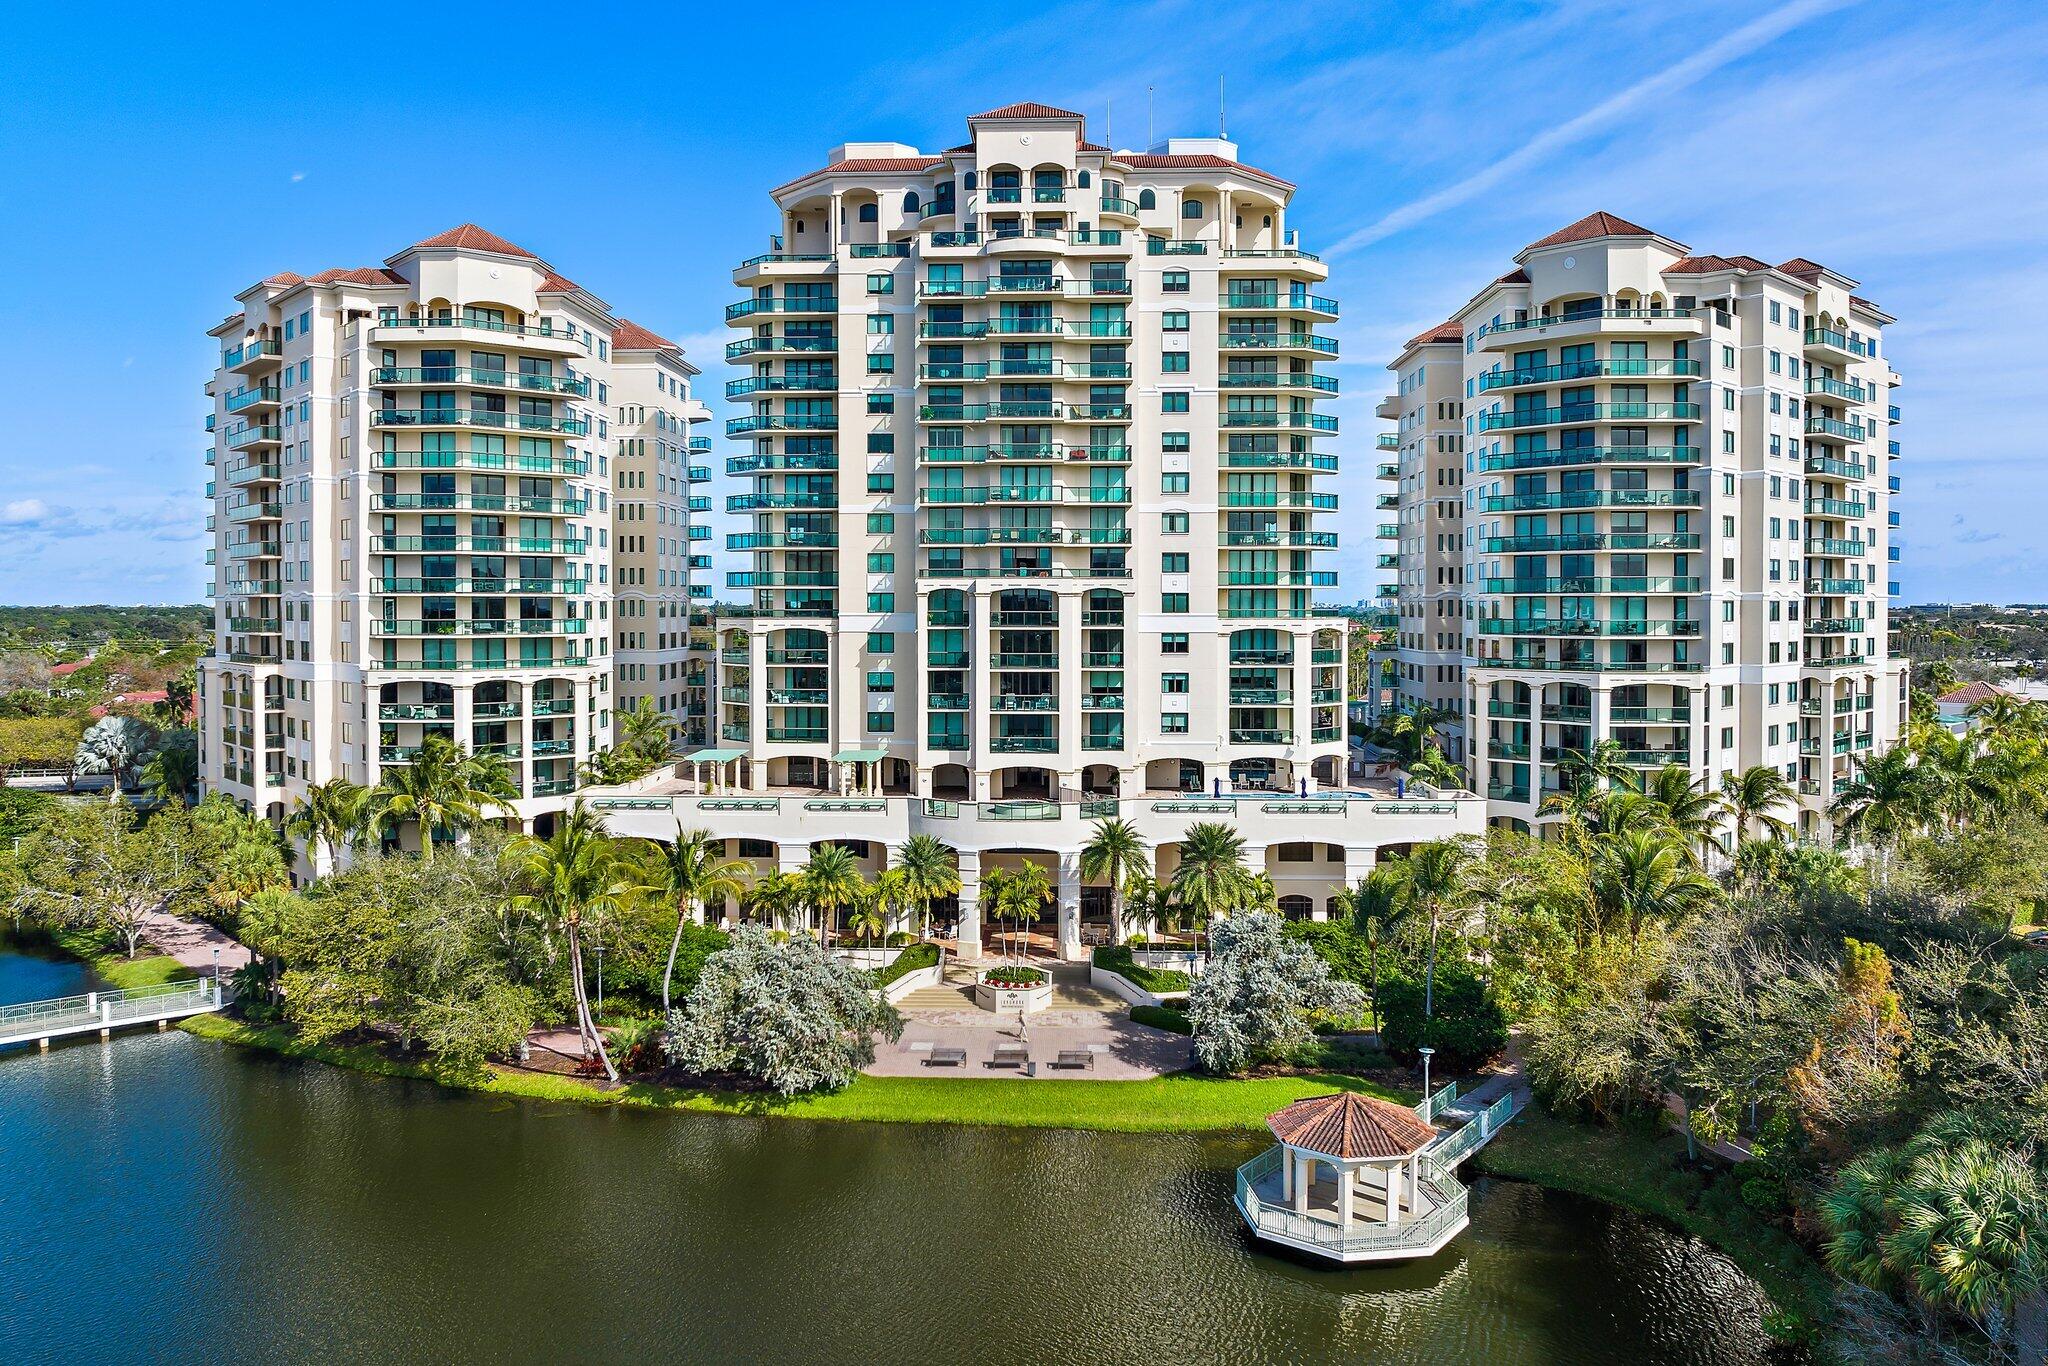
24	511
1688	70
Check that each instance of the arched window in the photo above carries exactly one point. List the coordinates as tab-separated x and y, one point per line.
1296	907
1147	199
910	202
1191	208
869	212
969	180
1081	179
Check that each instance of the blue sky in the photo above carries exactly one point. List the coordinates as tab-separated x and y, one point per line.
163	159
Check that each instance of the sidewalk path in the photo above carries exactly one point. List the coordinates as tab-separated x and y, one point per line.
192	943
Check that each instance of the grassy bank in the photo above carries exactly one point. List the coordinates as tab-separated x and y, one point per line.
1638	1171
109	960
1171	1104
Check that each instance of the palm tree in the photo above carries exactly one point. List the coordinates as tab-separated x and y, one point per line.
928	873
1749	798
1115	854
1147	902
868	921
1691	810
1016	894
1643	875
1884	800
1212	878
1438	878
171	773
830	880
333	813
263	925
1436	770
577	877
443	789
694	873
1413	730
1596	769
1968	1234
645	733
774	897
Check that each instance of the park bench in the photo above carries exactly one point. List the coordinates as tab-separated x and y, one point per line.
1010	1055
1080	1058
947	1057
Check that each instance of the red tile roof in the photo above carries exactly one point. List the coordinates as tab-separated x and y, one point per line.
1970	694
1451	331
1750	263
555	284
1025	111
361	275
64	670
1199	162
631	336
1591	226
1514	277
283	277
1803	268
476	239
1348	1126
858	164
1700	265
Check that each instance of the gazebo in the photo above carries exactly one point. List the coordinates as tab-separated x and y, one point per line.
1349	1180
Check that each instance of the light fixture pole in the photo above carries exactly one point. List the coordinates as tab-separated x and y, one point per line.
1425	1051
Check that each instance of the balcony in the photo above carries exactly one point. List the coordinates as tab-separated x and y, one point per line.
491	545
479	377
1166	246
1305	540
1673	584
1836	469
253	626
256	512
1618	540
750	308
1832	430
1836	346
1834	548
779	502
1315	502
1840	587
253	472
1592	455
1274	379
481	460
416	711
760	464
1524	419
1837	626
1253	736
1524	332
1274	301
779	384
247	438
1313	343
1843	391
762	346
484	418
1588	369
1281	460
781	422
1596	666
1298	422
1579	626
1837	507
477	502
244	400
1023	744
553	626
252	355
1593	498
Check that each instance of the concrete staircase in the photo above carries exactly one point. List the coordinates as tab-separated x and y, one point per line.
1071	990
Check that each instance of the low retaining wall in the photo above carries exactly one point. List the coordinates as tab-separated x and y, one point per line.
909	982
1119	985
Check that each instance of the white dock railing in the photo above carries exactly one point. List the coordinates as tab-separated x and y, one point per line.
34	1020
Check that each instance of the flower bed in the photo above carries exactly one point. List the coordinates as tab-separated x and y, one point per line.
1014	977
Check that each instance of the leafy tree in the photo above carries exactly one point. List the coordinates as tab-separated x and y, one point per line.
1016	895
266	926
929	872
1116	854
1258	997
39	742
22	811
576	879
100	866
775	897
1466	1029
1691	811
173	771
1438	879
1884	801
868	921
1851	1066
694	873
783	1013
1644	876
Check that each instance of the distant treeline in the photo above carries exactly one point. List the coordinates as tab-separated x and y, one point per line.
94	624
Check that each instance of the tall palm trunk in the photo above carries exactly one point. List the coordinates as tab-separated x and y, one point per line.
668	973
586	1024
1429	971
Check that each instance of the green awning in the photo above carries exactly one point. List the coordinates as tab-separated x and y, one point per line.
714	756
860	756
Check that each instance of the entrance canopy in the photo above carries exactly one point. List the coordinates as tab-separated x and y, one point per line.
714	756
860	756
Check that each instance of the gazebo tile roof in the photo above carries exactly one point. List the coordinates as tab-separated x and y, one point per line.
1348	1126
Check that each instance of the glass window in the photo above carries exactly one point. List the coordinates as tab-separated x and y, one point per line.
1173	281
881	642
881	284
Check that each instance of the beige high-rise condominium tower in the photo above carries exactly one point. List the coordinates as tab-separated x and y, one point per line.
416	482
1644	495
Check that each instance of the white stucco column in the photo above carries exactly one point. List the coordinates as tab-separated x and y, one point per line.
1347	1182
1391	1175
1303	1179
1286	1176
1070	906
970	903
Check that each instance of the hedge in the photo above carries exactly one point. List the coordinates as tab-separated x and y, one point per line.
910	960
1161	1017
1158	981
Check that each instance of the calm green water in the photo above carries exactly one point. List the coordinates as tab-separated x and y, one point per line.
162	1190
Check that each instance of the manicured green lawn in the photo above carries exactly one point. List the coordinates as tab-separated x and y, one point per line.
1637	1171
107	957
1179	1103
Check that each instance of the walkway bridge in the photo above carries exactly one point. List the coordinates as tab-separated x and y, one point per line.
1375	1220
39	1022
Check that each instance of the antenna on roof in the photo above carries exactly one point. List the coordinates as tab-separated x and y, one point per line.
1221	130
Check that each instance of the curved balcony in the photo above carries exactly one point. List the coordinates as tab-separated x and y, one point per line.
1592	498
1525	332
755	464
1623	368
762	578
1279	460
493	461
511	664
1117	207
542	336
252	438
1276	301
1275	379
490	545
472	377
554	626
253	400
1297	422
781	540
781	422
1037	493
1533	626
780	384
481	418
1308	342
1592	666
477	502
1314	502
1592	455
457	587
1042	452
765	346
1527	419
753	308
779	502
1677	585
1304	540
1619	540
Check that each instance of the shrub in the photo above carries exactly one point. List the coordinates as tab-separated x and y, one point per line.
1158	981
909	961
1014	977
1338	943
899	939
1260	994
1161	1017
1466	1030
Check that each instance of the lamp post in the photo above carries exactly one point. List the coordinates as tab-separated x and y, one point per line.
216	974
1425	1051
